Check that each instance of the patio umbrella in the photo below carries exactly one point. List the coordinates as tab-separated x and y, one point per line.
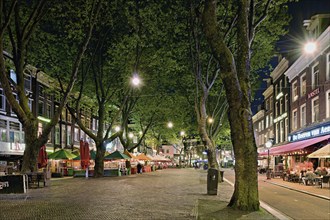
323	152
143	157
42	157
116	156
62	154
84	154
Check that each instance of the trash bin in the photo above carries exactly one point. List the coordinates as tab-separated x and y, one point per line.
221	175
70	172
212	181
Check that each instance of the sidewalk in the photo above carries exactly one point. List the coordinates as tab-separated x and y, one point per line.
311	190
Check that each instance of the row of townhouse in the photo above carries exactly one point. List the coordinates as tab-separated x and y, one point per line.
295	115
43	101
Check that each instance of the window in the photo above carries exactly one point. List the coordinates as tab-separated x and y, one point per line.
276	109
57	135
40	108
294	91
271	119
27	82
76	134
328	103
48	110
2	101
315	109
303	115
11	109
41	91
30	104
69	136
294	119
13	76
267	121
286	131
286	104
281	130
3	130
276	92
328	66
14	132
281	82
271	103
276	132
303	84
262	125
281	106
315	75
267	105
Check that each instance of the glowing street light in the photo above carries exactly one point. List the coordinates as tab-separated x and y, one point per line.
117	128
131	135
310	47
268	145
182	133
136	81
170	124
210	120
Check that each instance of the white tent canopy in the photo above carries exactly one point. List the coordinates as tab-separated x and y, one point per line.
323	152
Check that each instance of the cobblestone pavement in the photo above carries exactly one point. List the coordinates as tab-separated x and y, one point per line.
164	194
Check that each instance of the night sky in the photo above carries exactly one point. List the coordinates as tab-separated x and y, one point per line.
299	11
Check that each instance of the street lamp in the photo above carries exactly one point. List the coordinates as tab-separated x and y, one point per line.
268	145
310	47
210	120
170	124
117	128
136	81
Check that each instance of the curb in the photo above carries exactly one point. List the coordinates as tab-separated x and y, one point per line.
297	190
277	214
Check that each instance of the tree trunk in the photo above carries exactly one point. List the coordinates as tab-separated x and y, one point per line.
236	82
99	160
31	147
245	195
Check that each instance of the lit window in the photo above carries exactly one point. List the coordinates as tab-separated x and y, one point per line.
281	106
276	132
294	91
303	115
286	129
315	75
270	118
286	104
315	109
281	131
294	119
271	103
2	100
328	66
303	84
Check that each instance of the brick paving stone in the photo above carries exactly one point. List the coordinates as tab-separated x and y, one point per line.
164	194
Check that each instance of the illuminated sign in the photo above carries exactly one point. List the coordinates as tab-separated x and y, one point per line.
314	132
314	93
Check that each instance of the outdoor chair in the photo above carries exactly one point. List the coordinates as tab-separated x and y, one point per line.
325	180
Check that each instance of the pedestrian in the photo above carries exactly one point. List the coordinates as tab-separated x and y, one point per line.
139	168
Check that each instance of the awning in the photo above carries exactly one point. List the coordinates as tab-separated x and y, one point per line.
324	152
294	146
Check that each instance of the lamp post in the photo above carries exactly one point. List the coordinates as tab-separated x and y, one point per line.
268	145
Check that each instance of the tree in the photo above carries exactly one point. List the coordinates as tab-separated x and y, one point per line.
232	46
27	17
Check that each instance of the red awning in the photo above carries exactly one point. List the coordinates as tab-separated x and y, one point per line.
294	146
